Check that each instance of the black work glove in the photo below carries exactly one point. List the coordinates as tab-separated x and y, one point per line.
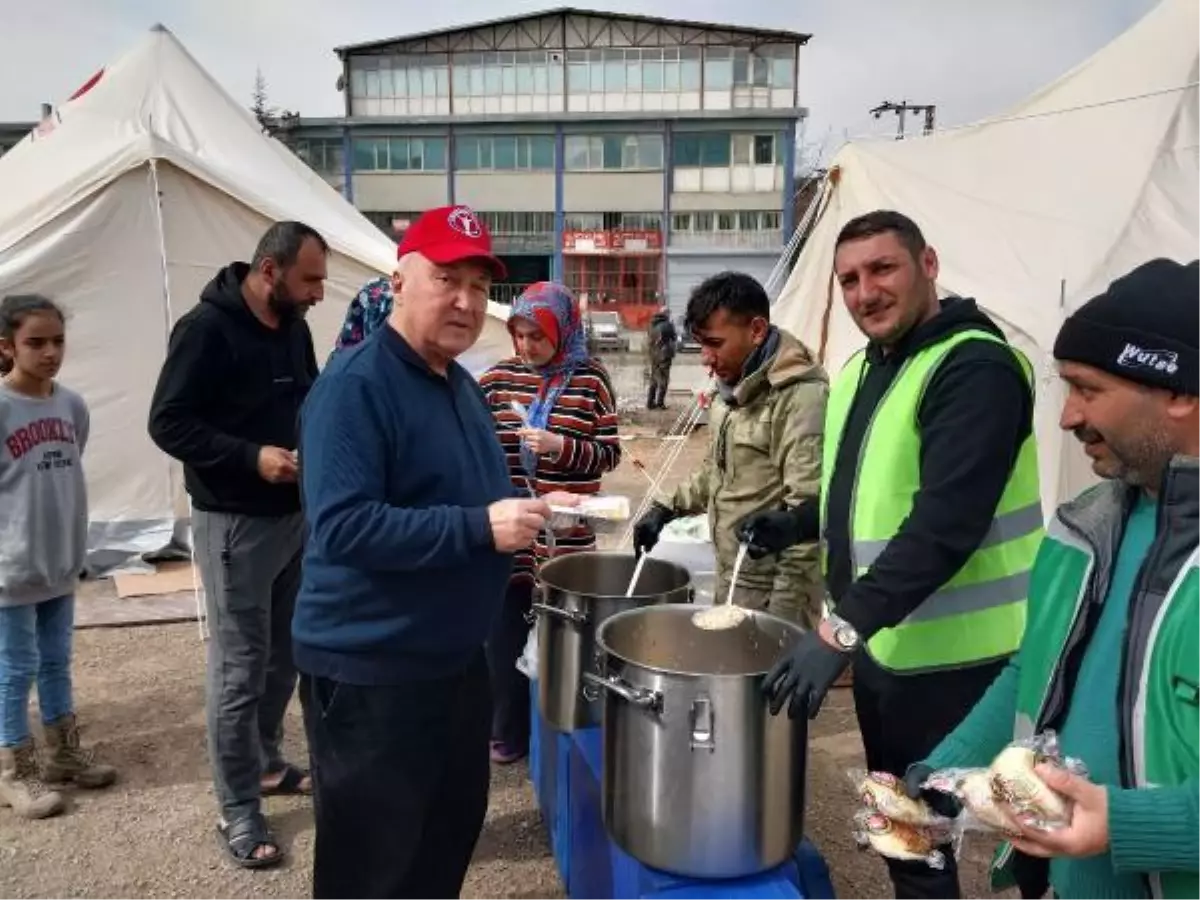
805	673
649	527
943	804
764	533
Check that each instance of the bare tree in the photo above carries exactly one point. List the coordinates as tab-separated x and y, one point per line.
260	105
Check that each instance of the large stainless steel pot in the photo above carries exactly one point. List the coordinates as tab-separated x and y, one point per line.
580	591
699	778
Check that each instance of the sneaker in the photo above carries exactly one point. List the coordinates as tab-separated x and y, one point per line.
505	754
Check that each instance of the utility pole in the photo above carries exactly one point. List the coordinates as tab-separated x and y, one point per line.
904	107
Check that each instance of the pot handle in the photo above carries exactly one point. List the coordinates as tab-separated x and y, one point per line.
575	618
643	698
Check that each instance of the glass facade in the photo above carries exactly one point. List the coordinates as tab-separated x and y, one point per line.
398	85
399	154
634	70
598	152
718	149
507	74
323	155
504	153
557	80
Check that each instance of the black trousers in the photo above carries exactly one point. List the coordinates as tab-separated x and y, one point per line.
902	718
510	689
400	782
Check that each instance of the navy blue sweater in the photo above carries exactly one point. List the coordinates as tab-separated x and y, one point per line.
398	466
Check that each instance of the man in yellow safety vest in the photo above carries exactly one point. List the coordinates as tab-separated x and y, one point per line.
930	512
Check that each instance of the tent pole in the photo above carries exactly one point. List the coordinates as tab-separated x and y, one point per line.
169	322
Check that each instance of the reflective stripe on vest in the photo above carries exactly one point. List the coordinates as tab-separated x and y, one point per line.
979	614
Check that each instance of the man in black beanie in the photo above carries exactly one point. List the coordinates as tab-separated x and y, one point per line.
1111	653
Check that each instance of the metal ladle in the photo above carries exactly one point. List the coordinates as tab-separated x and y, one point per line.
726	615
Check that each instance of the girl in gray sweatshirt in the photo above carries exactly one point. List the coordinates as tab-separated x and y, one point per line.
43	539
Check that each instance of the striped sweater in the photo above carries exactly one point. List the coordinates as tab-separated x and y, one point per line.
586	416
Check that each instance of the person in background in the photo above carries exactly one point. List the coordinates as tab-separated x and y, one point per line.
413	523
765	449
660	351
930	510
368	311
1111	657
43	542
238	368
568	441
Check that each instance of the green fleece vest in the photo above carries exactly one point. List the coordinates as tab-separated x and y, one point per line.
1162	723
979	614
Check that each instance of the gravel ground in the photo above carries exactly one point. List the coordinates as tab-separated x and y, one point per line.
140	699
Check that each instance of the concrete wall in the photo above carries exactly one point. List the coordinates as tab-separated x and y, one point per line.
603	191
704	201
399	192
505	191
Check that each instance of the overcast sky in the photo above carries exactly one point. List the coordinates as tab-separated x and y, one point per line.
973	58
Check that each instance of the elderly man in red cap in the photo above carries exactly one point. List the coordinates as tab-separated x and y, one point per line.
413	524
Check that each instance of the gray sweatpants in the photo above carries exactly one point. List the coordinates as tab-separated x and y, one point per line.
250	568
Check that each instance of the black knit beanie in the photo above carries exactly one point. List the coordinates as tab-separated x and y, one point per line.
1144	328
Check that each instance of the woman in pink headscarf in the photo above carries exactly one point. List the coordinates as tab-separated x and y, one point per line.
566	442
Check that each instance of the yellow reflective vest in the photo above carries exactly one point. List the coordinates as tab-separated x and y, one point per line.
979	614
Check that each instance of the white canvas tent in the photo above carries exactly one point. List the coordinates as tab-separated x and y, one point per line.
1035	212
121	208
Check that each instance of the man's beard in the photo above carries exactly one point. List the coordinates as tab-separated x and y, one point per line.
282	304
1137	460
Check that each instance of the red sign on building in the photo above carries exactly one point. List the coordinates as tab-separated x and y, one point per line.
614	241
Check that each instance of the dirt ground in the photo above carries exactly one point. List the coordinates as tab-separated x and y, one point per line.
140	698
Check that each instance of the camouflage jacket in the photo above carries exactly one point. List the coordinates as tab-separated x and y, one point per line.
764	453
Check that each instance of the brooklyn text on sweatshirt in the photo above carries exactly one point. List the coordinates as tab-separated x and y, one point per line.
43	495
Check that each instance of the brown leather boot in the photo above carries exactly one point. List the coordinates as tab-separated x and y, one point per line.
21	784
70	762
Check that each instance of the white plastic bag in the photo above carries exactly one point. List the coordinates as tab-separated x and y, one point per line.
527	662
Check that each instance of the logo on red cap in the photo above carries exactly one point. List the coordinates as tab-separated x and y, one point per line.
463	220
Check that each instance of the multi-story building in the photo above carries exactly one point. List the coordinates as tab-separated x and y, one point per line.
628	156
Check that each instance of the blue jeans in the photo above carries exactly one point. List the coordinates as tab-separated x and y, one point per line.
35	644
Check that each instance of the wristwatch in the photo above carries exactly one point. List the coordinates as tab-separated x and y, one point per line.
844	634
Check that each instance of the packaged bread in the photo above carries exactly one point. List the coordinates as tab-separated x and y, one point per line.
884	793
1010	788
899	840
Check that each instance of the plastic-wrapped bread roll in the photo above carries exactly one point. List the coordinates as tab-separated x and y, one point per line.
884	793
898	840
1015	782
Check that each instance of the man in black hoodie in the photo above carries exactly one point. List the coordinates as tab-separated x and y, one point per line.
238	368
930	513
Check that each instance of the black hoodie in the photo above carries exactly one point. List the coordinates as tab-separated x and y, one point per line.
229	386
974	416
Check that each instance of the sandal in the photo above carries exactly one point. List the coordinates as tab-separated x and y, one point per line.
241	838
290	783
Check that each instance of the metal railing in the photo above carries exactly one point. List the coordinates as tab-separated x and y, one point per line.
732	240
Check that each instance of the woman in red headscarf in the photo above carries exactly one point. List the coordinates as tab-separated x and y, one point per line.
556	415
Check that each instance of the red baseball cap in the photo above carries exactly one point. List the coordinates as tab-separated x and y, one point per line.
450	234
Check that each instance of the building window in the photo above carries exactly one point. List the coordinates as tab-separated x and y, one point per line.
504	152
395	77
598	152
633	70
612	221
322	155
767	67
725	221
764	149
380	154
507	74
704	150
